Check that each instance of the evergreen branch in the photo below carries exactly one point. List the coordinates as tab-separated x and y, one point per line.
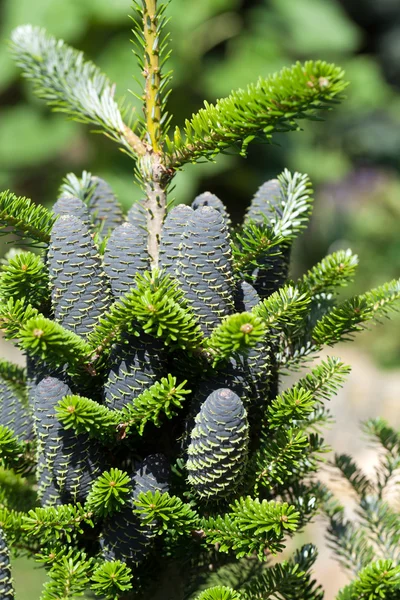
56	522
335	270
289	580
325	379
11	523
18	215
290	407
110	579
378	580
166	513
25	277
219	592
271	105
277	456
290	216
81	188
14	375
87	416
68	577
12	451
256	240
109	493
251	527
71	85
16	491
350	316
378	431
14	315
157	306
236	334
163	397
350	543
353	474
285	306
382	526
50	342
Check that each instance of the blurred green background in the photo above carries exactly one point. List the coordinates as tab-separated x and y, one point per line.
352	157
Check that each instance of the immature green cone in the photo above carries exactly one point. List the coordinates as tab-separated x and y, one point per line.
15	413
205	270
209	199
219	441
171	237
66	462
6	583
79	288
136	363
124	256
71	205
104	207
123	537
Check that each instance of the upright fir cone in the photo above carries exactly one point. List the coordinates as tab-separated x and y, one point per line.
137	215
136	363
124	256
217	452
171	237
6	582
79	287
272	271
67	463
15	412
103	205
71	205
209	199
124	537
205	270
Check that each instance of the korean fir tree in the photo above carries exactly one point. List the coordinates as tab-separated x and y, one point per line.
147	448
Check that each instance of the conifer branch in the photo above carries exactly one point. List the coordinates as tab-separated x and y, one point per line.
236	335
157	306
285	306
271	105
351	315
18	215
111	579
71	85
61	522
335	270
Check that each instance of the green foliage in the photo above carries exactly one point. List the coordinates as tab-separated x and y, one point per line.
157	306
219	593
50	342
335	270
270	105
222	462
56	523
369	547
109	492
68	83
68	577
252	527
25	219
236	335
12	451
164	397
25	277
111	578
350	316
168	512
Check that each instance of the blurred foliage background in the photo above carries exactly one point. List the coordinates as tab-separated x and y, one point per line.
353	157
219	45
